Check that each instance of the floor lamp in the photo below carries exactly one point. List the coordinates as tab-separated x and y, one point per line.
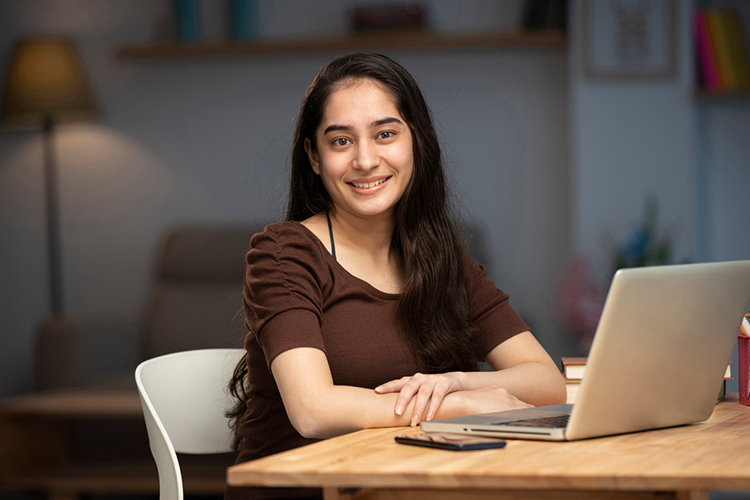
46	84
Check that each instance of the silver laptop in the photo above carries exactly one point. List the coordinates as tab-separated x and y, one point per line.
658	358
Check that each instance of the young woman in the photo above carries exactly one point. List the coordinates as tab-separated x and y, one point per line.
362	308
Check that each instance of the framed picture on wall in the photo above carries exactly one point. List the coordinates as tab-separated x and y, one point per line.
626	40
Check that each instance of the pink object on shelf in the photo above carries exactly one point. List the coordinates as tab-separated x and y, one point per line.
743	370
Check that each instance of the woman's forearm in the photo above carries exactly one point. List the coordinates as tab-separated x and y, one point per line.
342	409
317	408
535	383
524	368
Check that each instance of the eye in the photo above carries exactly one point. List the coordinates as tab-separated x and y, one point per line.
385	134
341	141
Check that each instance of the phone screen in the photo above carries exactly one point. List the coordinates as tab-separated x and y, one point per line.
453	442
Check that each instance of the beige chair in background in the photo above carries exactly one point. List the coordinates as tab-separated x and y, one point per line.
194	302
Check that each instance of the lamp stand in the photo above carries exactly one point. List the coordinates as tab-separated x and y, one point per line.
53	220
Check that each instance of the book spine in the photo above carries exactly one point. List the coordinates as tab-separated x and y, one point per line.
719	37
705	52
571	388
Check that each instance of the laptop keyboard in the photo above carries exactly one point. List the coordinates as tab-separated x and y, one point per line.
551	422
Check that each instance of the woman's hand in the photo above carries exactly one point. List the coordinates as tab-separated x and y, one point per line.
427	389
490	399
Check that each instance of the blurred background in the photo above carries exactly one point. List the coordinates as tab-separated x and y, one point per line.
546	162
569	155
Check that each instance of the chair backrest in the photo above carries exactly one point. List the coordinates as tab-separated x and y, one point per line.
184	398
197	290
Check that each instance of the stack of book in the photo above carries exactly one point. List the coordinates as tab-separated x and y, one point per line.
721	50
573	369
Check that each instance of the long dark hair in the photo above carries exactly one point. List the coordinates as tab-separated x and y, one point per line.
434	305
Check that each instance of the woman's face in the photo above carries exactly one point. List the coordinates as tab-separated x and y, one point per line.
364	150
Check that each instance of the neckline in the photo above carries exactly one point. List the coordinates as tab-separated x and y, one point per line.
343	272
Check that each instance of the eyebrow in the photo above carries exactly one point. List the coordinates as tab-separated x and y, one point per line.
376	123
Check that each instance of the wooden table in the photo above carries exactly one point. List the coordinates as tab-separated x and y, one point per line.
680	462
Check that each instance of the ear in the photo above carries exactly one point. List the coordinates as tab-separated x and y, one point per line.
313	156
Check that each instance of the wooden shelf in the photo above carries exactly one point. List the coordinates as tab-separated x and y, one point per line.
126	478
395	40
707	95
76	402
53	441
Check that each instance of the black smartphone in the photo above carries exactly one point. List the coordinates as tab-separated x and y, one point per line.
453	442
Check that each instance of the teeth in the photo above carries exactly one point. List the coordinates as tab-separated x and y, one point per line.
368	184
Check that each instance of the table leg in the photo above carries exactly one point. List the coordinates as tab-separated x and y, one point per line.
335	493
693	495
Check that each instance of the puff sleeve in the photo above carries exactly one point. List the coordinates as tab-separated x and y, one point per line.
285	282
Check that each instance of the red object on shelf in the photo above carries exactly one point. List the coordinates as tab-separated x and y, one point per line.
387	17
743	370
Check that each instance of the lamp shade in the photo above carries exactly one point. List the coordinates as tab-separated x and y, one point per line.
45	81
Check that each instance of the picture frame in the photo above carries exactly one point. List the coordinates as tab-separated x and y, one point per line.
629	40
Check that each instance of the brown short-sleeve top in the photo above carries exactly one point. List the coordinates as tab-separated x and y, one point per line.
297	295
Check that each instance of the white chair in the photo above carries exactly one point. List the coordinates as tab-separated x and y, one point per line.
184	397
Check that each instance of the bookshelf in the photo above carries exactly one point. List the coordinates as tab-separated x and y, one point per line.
384	40
721	54
702	94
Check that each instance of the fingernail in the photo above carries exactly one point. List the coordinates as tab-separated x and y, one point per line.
413	423
399	410
430	415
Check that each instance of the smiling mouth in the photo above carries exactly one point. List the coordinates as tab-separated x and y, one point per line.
366	185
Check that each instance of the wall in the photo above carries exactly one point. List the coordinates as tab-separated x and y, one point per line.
630	140
723	132
184	142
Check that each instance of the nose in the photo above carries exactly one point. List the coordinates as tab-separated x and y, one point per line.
366	157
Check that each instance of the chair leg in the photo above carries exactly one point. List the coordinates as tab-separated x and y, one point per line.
63	495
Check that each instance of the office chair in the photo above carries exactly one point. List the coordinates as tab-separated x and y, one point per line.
184	398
